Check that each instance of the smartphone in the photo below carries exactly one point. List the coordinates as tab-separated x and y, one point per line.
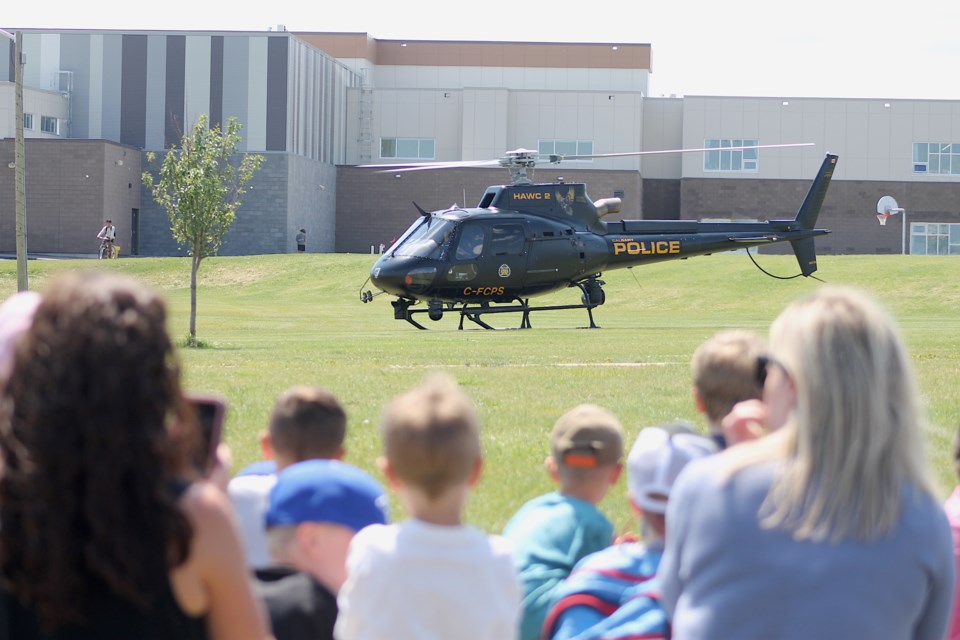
211	411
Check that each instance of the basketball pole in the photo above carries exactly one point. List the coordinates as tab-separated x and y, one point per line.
903	232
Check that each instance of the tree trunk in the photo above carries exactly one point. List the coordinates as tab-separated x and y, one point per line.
194	267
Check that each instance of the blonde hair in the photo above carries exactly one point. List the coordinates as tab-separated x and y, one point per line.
431	436
725	370
856	435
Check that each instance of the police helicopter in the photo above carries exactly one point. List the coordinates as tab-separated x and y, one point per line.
524	239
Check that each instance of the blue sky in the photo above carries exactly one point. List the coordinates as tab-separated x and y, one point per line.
814	48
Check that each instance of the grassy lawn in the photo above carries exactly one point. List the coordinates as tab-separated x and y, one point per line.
269	322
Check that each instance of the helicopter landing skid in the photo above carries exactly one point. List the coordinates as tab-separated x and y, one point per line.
474	313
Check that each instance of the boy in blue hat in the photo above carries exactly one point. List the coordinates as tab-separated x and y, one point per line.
315	509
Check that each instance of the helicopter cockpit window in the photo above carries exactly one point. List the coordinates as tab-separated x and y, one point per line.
507	240
471	242
428	240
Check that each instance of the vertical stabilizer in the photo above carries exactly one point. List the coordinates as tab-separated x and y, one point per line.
804	249
810	209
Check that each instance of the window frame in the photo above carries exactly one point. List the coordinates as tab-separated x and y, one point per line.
936	158
722	158
425	148
938	235
570	147
46	120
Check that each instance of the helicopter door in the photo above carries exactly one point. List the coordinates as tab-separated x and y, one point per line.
490	255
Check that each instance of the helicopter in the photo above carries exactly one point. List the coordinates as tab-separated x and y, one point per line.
526	238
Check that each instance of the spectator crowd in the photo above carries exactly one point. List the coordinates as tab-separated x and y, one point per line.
806	508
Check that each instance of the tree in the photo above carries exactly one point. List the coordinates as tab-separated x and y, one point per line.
201	185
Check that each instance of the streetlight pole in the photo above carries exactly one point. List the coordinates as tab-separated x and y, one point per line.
19	175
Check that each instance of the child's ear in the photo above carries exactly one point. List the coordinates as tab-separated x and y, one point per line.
615	473
551	464
698	401
383	463
266	445
475	474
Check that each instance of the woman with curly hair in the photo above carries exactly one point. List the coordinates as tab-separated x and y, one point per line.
105	531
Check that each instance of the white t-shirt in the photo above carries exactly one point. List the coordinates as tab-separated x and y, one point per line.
108	232
250	495
429	582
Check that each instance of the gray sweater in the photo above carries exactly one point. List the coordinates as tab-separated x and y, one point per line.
725	577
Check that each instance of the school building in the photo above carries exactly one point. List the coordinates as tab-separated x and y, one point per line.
319	105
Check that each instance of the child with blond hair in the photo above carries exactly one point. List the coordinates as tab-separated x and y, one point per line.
431	576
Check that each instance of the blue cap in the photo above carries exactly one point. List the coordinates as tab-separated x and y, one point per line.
326	491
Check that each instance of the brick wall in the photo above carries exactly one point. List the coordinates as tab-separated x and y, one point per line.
71	187
261	222
849	209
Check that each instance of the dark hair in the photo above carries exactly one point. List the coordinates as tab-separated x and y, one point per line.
87	496
307	422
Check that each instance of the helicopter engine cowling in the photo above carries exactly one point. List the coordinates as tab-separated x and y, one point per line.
606	206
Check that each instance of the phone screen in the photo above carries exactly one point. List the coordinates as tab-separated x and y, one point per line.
210	414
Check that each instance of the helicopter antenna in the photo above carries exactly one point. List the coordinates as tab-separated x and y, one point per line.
773	275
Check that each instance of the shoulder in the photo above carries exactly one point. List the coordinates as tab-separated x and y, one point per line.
500	546
259	468
280	583
375	539
250	486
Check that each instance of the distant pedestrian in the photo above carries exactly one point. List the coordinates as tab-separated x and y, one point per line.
302	241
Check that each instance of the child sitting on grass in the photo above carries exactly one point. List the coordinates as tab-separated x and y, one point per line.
430	576
552	532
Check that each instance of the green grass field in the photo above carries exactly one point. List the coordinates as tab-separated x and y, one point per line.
269	322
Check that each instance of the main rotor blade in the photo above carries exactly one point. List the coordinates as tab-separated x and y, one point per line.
556	159
525	158
420	166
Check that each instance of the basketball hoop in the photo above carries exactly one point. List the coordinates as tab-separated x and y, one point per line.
882	217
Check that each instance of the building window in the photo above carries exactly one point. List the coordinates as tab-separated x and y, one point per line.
408	148
727	158
936	157
566	148
935	238
28	121
49	124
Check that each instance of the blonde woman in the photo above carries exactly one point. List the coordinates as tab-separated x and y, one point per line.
830	526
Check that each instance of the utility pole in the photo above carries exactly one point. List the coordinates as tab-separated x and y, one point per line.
19	176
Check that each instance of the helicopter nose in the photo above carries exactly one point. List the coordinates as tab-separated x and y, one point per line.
401	277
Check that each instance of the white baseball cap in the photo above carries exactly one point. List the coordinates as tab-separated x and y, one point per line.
656	459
